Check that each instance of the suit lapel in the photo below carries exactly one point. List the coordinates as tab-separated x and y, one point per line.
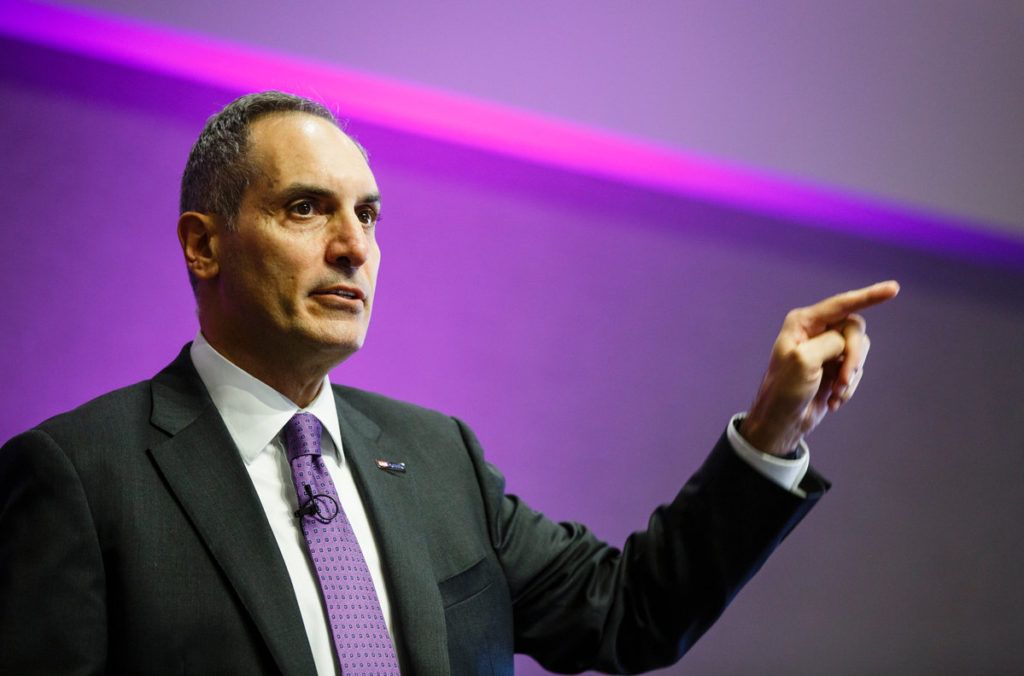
391	504
203	469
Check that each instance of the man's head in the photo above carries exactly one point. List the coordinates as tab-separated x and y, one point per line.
281	246
218	170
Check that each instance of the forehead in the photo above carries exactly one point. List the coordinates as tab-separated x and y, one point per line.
298	147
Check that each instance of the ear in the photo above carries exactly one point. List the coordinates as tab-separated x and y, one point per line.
198	234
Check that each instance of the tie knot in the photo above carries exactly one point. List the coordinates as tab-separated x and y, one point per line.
302	435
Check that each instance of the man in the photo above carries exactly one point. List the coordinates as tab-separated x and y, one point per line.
163	528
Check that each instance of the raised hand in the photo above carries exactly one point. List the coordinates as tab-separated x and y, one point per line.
816	364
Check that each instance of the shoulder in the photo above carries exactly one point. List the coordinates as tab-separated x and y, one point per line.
388	412
408	425
107	415
116	417
95	443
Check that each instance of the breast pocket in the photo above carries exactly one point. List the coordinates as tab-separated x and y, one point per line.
478	616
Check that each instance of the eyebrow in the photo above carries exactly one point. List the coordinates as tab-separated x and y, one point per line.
372	198
301	189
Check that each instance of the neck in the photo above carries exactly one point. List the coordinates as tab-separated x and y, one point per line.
300	388
299	381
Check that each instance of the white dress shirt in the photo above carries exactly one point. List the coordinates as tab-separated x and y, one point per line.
784	472
255	414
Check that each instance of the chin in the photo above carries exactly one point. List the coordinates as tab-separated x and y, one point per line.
344	346
333	342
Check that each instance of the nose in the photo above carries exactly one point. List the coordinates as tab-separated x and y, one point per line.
349	246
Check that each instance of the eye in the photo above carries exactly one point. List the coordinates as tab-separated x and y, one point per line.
302	208
367	215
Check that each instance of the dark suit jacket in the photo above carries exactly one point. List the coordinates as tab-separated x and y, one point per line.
132	541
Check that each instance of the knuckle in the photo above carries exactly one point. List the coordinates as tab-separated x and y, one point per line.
801	357
795	319
853	325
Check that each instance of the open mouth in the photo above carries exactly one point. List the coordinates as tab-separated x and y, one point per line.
348	293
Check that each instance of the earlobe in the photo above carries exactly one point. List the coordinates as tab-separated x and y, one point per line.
197	234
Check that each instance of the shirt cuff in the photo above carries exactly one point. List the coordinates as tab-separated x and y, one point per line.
786	473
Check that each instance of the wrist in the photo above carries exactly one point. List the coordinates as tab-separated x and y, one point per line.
766	439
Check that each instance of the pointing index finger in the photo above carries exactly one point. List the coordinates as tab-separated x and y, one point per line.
838	307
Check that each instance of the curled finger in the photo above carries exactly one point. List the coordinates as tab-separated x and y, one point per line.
856	350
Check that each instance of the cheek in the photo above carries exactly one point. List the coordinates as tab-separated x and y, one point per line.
373	264
281	268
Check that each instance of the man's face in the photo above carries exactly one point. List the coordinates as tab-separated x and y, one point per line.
296	279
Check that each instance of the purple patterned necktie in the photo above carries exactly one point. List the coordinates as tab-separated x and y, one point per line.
361	637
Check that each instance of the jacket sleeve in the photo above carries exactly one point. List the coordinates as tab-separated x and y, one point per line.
581	604
53	613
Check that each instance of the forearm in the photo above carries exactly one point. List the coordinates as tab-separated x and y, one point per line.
581	604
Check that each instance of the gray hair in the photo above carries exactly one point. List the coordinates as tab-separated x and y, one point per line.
218	171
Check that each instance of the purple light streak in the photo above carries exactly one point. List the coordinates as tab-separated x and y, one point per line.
463	120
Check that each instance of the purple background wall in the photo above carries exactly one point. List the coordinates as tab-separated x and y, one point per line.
917	101
596	336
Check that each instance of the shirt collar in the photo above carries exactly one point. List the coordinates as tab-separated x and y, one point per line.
253	411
